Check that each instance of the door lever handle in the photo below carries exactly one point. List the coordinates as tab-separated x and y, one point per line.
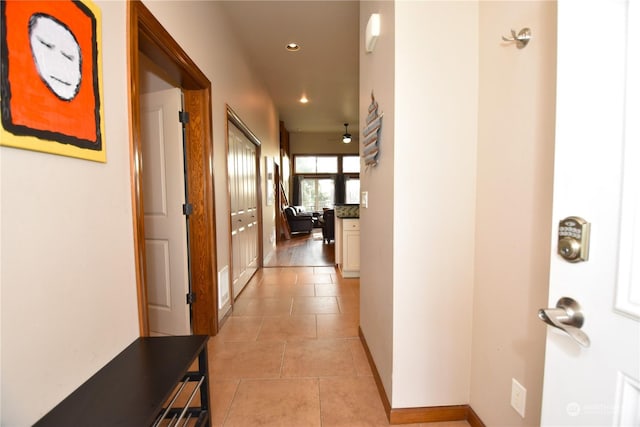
566	316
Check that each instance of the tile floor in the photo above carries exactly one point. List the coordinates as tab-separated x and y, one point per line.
290	355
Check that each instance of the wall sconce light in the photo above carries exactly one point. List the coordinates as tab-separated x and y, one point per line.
372	32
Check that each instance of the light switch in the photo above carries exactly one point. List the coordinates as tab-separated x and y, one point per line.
364	199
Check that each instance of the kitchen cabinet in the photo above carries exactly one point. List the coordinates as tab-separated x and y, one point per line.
347	251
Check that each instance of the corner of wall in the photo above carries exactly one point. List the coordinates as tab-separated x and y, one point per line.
376	222
434	193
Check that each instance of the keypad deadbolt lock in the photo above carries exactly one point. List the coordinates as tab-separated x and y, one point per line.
573	239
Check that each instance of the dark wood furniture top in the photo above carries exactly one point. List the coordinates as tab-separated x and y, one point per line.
132	389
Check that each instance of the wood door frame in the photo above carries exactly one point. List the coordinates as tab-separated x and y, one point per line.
146	34
237	121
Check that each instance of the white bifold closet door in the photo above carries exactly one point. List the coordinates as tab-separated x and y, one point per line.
244	208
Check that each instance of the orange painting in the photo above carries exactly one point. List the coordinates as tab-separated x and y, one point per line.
51	78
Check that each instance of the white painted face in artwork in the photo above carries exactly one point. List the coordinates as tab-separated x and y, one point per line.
57	55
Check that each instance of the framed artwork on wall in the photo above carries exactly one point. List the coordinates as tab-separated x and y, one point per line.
51	78
270	184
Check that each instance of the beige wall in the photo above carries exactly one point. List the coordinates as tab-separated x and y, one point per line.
322	143
202	30
416	279
68	280
377	73
472	152
515	178
436	90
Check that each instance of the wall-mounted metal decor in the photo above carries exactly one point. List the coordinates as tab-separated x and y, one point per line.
371	134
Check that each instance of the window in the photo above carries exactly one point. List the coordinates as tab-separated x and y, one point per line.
316	164
317	193
352	190
351	164
317	176
304	164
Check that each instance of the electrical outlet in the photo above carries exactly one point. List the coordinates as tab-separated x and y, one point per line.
364	199
518	396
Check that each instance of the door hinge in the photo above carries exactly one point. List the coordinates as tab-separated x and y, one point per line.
191	298
183	117
187	209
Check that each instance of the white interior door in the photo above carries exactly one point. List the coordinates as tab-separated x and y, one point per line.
597	160
244	208
164	223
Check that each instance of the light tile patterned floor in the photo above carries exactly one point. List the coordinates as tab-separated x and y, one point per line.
290	355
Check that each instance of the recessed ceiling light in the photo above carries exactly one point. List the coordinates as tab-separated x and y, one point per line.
303	99
293	47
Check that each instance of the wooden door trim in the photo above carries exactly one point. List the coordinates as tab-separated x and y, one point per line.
146	34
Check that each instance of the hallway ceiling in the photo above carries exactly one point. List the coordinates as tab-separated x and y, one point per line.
325	69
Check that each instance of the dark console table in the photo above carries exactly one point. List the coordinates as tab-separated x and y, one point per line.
138	388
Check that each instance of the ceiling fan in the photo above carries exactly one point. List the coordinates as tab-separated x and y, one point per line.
346	138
